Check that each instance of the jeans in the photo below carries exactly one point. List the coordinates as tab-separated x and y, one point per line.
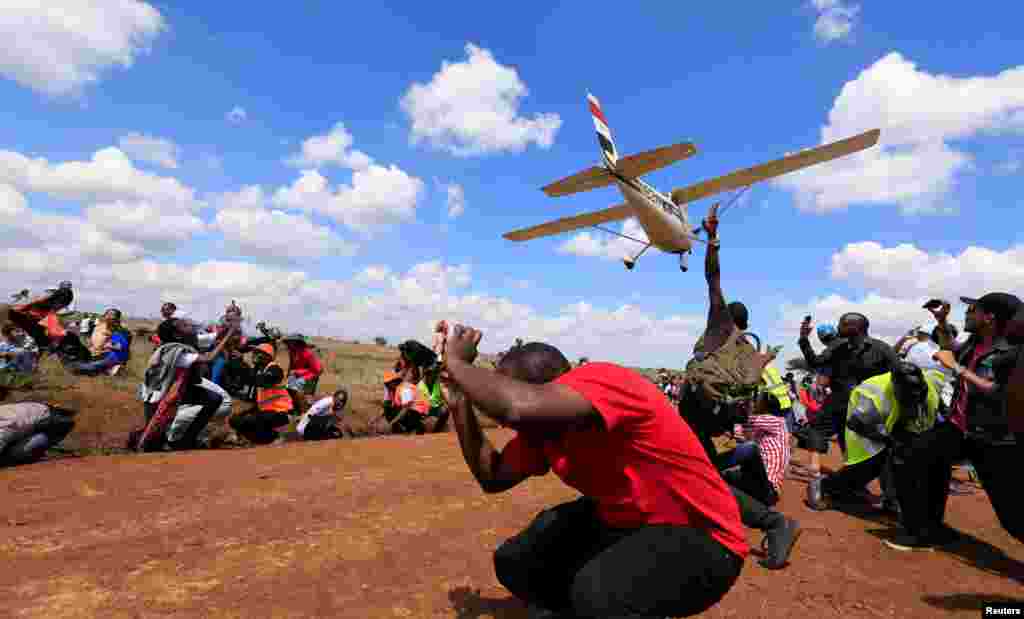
751	477
90	368
567	560
217	369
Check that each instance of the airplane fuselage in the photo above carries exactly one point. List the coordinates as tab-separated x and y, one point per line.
665	224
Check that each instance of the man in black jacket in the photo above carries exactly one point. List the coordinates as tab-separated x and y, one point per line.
849	360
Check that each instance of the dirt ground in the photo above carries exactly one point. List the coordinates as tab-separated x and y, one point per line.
396	527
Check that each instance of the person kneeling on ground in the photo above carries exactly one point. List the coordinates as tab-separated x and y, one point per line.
273	406
657	532
28	429
174	378
885	414
318	423
410	406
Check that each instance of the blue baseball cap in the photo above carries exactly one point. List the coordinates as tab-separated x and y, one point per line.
827	331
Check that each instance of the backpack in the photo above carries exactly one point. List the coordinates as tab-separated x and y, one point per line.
729	375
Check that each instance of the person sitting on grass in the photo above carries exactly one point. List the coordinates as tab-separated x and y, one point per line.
656	533
113	354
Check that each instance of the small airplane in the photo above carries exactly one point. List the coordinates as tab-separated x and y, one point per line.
664	216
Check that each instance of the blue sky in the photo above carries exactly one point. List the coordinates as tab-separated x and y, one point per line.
155	151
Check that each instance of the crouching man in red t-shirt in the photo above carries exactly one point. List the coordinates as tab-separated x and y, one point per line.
656	533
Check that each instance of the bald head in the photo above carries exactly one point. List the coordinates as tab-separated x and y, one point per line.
535	363
853	324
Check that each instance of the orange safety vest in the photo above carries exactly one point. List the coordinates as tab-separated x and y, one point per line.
274	399
420	403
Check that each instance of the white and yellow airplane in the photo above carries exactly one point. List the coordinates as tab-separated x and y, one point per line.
664	217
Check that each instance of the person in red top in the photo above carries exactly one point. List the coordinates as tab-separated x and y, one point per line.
656	533
304	370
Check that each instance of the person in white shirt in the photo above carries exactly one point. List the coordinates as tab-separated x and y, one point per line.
318	423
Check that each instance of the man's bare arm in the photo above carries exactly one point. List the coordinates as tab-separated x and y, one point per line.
720	323
483	459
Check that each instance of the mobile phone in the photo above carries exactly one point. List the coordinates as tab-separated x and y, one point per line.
807	318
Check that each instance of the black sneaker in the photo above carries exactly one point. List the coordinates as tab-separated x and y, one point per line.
910	543
778	544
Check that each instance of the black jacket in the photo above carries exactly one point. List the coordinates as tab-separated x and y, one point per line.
848	366
987	410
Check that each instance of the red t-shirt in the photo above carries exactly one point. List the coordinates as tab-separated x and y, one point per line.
644	467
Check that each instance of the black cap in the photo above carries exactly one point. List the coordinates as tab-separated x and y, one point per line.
740	315
909	379
1002	305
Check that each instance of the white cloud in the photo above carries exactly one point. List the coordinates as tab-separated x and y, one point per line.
835	19
116	232
471	108
141	147
331	148
907	272
377	196
373	274
108	177
606	246
58	47
455	200
144	223
273	235
921	116
236	116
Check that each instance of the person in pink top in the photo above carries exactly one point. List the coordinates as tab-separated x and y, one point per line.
304	370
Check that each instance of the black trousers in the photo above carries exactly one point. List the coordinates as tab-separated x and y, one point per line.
925	466
566	560
853	477
259	427
321	428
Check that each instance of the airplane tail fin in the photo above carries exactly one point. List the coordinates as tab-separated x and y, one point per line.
604	134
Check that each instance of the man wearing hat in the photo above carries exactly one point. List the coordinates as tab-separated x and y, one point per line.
273	406
977	428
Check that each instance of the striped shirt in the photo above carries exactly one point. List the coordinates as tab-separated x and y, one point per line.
769	432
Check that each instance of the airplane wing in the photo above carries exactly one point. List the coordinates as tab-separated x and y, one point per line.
749	176
591	178
615	213
648	161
